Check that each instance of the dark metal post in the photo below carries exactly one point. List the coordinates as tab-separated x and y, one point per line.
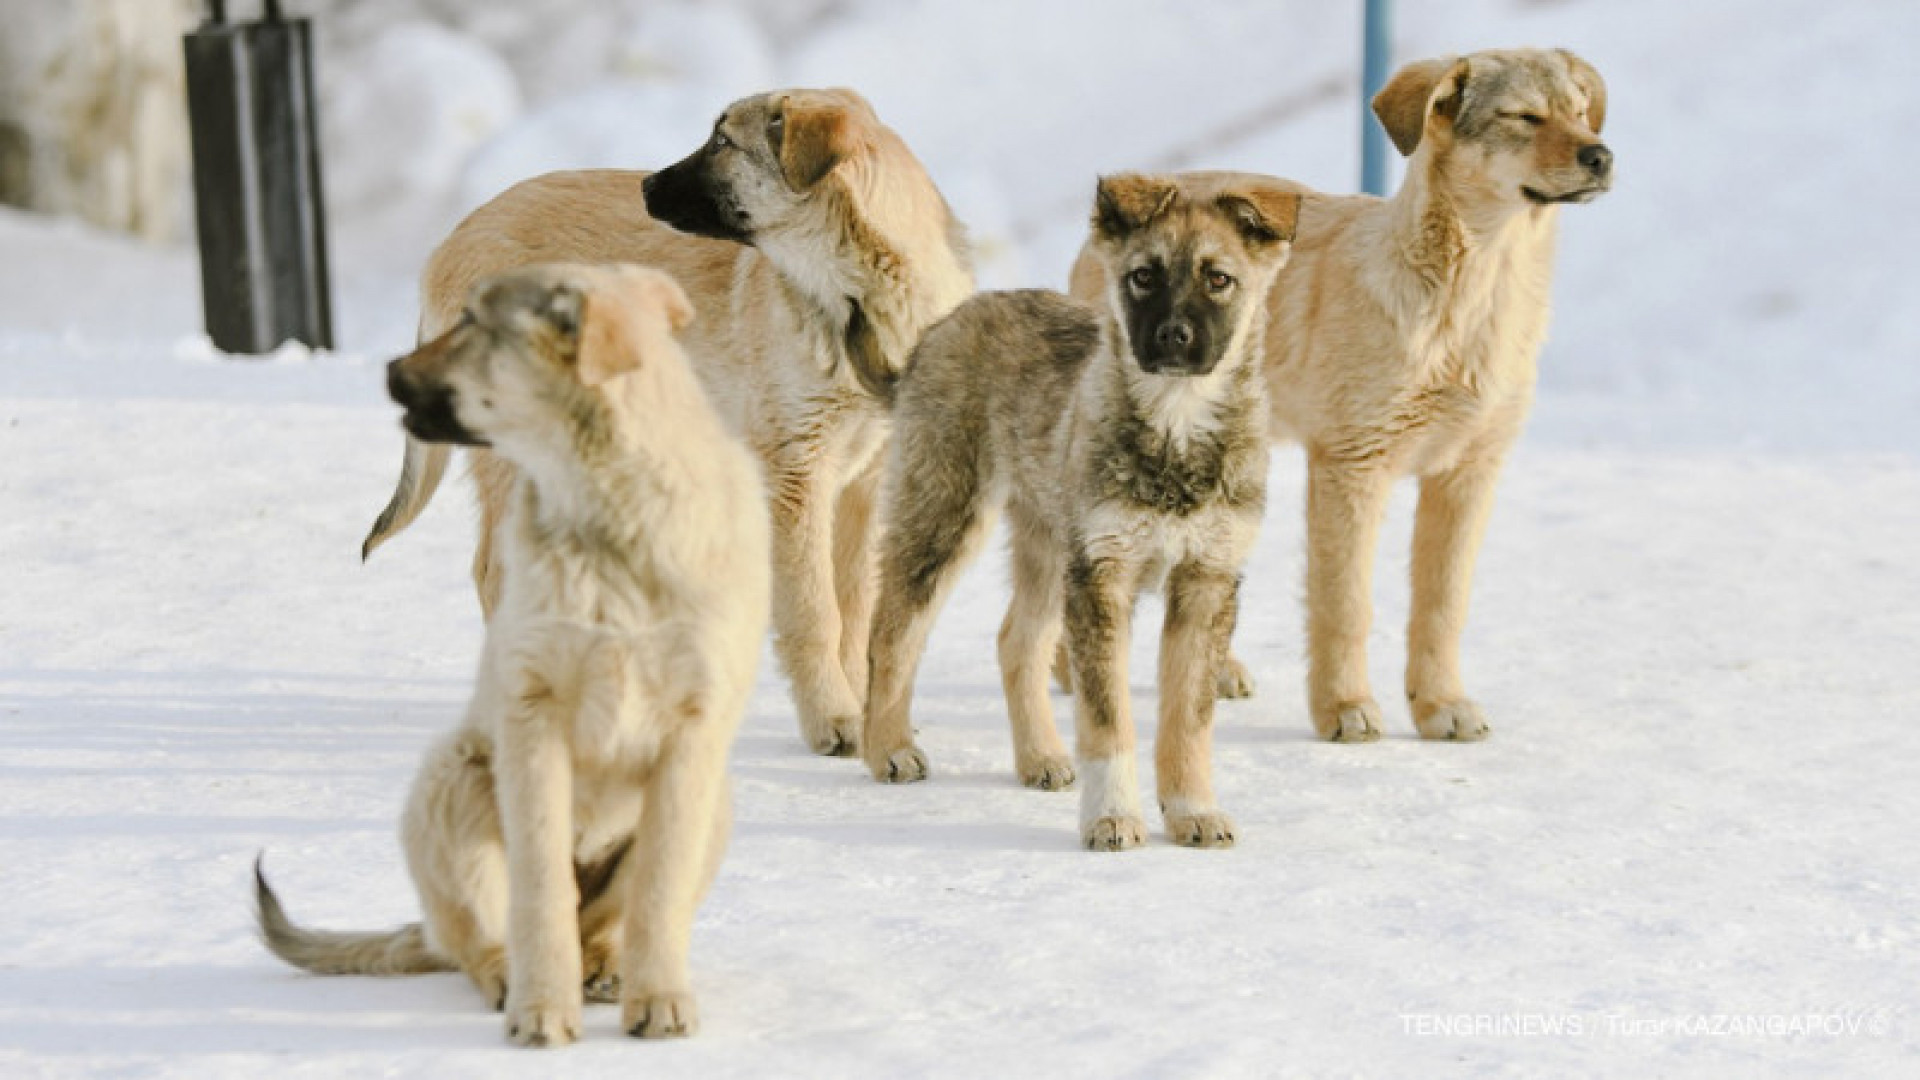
1378	48
256	182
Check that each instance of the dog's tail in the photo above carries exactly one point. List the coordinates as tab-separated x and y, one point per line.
420	475
342	952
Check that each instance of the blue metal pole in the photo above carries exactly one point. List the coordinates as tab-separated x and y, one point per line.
1373	75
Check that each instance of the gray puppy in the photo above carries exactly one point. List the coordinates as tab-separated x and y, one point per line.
1129	449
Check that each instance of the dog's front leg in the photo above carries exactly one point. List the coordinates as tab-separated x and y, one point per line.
1099	623
1447	529
854	571
1345	501
806	610
534	774
673	854
1193	645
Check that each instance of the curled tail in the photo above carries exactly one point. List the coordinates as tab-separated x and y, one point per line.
420	475
342	952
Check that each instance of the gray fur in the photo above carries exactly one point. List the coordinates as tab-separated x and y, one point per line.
1033	403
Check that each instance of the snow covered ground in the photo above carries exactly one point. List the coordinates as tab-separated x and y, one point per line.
1687	850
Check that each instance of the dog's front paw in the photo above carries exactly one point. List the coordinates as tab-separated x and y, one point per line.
1049	772
906	765
660	1016
833	736
1200	828
1234	680
543	1024
1349	722
489	975
1114	832
1457	720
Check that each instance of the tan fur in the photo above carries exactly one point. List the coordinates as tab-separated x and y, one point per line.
1404	343
865	223
562	837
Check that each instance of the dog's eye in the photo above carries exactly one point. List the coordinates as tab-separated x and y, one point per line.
1143	278
1218	281
720	140
1530	119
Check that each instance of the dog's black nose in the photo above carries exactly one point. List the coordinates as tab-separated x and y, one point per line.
1597	159
646	185
397	386
1174	335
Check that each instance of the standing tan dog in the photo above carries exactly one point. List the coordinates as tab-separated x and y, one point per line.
566	832
1405	344
808	232
1128	444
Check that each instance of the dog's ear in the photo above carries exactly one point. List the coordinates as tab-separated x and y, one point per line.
812	137
661	290
562	309
1402	104
617	331
1126	201
1264	215
1588	79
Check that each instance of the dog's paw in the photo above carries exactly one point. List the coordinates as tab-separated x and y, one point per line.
1200	828
489	975
1349	722
906	765
660	1016
602	988
543	1024
1457	720
1050	772
1114	832
1234	680
836	736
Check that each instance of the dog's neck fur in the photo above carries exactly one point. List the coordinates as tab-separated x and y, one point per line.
576	495
898	261
1456	251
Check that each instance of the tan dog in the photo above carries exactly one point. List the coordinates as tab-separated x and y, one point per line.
1404	344
808	231
566	832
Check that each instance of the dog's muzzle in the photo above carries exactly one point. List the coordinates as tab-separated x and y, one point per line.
682	198
429	414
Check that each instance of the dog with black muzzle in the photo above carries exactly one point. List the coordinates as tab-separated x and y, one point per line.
805	233
562	836
1127	444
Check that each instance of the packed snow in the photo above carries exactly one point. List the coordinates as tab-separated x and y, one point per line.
1686	850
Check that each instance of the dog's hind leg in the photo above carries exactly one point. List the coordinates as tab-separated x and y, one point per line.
1446	536
1193	645
938	518
454	848
1029	638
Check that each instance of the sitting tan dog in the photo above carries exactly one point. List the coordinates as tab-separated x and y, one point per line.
563	836
1404	344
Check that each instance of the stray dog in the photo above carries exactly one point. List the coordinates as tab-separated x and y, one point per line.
807	234
1128	445
565	833
1405	344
